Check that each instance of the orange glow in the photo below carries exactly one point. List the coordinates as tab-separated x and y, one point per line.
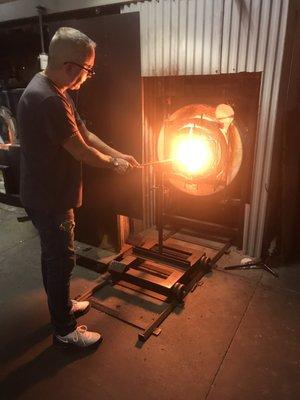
194	154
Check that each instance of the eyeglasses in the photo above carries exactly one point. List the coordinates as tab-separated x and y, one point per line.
90	71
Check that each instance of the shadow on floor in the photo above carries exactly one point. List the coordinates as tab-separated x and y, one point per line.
16	347
40	368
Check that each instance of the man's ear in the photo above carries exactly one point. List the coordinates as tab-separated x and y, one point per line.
68	67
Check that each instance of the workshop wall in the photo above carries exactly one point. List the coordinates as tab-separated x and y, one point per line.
16	9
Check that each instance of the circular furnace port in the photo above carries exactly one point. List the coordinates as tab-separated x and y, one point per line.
205	146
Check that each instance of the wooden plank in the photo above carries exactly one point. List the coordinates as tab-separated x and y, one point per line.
143	291
149	244
128	259
168	282
161	268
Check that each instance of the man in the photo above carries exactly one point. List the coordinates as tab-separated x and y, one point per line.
54	141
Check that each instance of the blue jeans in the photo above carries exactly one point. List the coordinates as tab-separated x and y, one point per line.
56	233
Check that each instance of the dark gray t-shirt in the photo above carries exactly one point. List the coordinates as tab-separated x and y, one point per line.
50	176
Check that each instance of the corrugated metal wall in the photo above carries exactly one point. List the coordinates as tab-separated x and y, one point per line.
196	37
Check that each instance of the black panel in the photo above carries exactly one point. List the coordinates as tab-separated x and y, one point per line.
110	104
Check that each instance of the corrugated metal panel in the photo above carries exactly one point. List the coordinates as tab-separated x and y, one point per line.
195	37
269	100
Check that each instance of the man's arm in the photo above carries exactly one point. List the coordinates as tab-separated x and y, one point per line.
93	141
62	129
80	150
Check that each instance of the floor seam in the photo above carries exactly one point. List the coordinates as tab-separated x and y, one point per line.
260	282
230	343
279	289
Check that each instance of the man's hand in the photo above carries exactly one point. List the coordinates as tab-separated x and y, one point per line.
130	159
120	166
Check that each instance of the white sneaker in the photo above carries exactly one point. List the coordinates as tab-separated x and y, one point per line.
81	337
80	308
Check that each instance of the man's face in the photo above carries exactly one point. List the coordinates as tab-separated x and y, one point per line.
79	72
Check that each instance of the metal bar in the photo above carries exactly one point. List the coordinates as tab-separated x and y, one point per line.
194	280
147	277
244	265
160	210
157	268
154	325
147	333
266	267
209	228
194	257
220	253
159	162
143	291
40	11
161	257
102	307
253	265
116	314
148	282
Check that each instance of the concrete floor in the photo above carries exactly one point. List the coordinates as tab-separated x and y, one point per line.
237	337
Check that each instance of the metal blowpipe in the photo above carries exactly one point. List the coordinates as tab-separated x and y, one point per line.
148	164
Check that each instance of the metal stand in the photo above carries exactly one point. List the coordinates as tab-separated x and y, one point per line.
156	268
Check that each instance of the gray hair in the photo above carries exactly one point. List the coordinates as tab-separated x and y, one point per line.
69	44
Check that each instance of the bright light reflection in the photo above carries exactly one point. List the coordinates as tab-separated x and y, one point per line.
194	154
